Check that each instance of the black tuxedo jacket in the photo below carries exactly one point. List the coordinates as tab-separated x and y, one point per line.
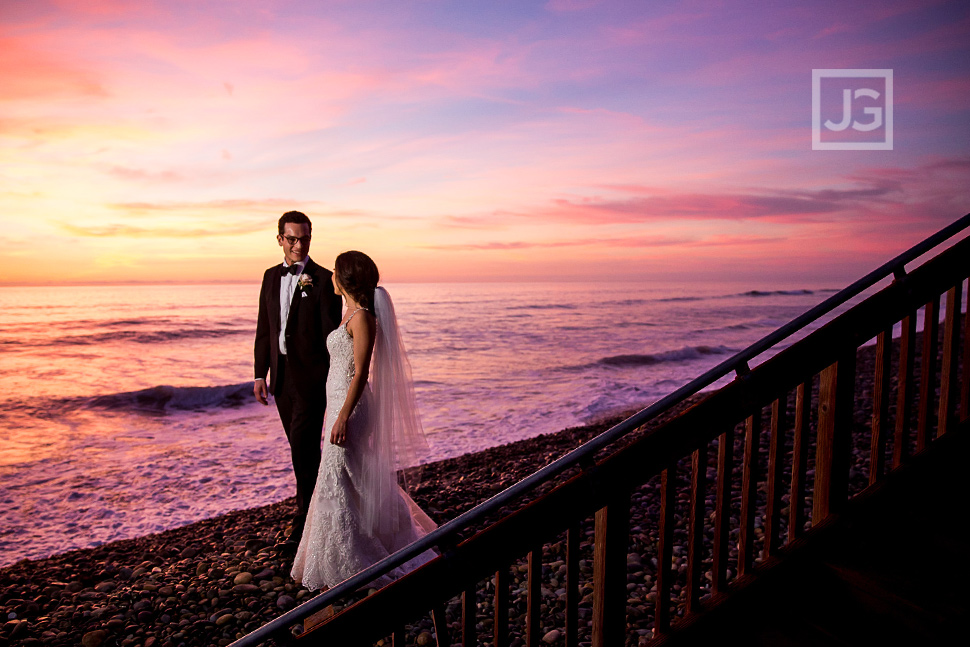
312	317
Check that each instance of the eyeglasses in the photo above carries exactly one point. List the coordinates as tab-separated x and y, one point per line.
292	240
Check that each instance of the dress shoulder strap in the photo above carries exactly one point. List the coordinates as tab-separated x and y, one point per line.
352	315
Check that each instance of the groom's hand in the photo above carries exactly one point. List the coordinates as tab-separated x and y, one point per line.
259	390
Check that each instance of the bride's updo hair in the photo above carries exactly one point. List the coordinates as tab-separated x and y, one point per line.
358	276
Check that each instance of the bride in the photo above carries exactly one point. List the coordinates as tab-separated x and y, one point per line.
358	514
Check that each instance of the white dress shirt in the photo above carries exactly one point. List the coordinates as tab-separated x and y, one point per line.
288	284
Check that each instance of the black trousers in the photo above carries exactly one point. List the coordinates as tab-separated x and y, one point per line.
303	424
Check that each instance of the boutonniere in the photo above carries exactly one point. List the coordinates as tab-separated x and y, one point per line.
305	282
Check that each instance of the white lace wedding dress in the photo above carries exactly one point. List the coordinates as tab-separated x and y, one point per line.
335	545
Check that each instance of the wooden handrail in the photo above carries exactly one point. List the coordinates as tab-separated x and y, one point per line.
604	488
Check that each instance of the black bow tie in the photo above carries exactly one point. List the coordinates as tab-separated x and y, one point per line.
292	269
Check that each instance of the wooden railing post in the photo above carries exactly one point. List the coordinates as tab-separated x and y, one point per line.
949	380
501	607
749	492
904	388
695	540
927	391
796	499
469	636
832	452
722	511
776	454
572	585
440	621
609	571
965	382
880	405
533	612
665	550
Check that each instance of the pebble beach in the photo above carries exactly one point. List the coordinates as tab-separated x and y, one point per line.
210	582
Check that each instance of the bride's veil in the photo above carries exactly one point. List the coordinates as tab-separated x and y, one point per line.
397	438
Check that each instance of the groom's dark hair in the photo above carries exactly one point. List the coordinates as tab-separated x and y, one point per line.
296	217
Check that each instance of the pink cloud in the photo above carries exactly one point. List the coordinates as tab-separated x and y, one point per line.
695	206
106	8
489	222
626	241
870	192
948	95
131	231
837	28
238	208
29	72
143	175
504	246
738	242
567	6
682	27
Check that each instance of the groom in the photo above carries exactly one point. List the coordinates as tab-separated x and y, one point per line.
297	310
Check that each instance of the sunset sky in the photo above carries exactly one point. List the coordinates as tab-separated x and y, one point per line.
470	140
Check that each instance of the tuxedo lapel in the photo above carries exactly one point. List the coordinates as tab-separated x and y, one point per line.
274	300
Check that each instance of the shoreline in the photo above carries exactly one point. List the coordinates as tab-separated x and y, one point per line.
212	581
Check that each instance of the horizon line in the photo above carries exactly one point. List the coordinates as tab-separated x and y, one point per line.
17	284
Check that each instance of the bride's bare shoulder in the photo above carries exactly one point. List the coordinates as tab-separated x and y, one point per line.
363	323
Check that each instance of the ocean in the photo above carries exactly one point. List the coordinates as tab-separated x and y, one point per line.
128	409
